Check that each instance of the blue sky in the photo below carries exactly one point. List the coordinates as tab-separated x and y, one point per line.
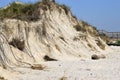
104	14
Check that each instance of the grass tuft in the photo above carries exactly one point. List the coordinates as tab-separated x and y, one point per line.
37	67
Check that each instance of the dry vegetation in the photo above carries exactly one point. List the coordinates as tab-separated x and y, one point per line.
100	44
63	78
92	30
38	67
62	38
89	45
66	9
80	28
2	78
28	12
18	44
105	38
19	11
57	47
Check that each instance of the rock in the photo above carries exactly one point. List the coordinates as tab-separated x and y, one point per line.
95	57
47	58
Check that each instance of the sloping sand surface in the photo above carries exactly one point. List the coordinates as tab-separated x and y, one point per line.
103	69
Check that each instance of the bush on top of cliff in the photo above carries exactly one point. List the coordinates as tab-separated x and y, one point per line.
66	8
89	28
18	11
27	12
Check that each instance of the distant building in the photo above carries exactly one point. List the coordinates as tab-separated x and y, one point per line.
113	35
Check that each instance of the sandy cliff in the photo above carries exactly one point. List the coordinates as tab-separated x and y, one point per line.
54	33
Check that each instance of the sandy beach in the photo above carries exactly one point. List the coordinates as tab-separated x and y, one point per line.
103	69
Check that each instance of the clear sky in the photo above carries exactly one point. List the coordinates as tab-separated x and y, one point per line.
104	14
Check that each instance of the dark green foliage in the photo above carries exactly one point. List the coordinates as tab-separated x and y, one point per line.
113	44
27	12
118	42
19	11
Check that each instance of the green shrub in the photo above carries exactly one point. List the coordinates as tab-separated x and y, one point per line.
19	11
118	42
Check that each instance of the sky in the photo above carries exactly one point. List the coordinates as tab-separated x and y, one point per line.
103	14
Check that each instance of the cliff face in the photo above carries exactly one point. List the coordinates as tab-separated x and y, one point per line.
55	33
